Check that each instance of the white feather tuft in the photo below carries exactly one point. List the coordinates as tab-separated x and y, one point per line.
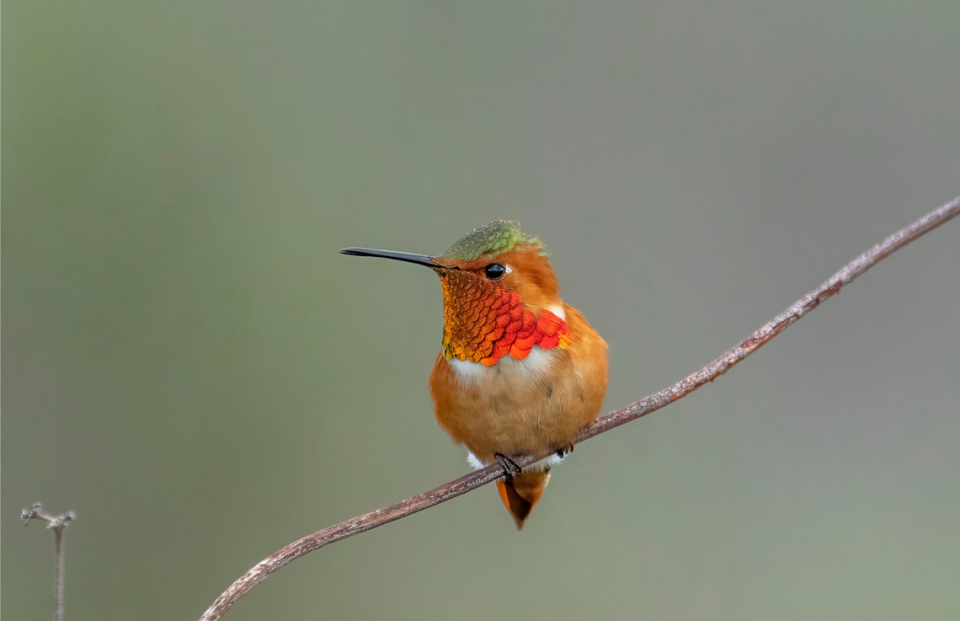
468	372
475	463
544	464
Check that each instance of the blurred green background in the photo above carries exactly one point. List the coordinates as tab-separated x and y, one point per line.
190	365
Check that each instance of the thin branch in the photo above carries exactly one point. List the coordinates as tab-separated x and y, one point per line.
56	523
470	482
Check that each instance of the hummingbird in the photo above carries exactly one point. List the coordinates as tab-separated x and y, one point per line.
520	371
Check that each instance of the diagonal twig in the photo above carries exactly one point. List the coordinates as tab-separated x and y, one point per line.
470	482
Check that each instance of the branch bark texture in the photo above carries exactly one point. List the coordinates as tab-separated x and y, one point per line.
654	402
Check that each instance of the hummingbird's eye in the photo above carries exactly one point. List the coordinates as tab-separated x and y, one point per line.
494	271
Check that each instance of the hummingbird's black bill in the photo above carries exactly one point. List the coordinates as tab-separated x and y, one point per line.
409	257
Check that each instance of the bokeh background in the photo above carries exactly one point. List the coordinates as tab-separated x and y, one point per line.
190	365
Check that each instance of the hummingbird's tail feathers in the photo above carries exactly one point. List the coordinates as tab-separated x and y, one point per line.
521	493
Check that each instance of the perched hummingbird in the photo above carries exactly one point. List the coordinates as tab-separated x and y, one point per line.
520	371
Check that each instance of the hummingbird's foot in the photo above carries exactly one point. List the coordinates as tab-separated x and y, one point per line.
510	468
564	451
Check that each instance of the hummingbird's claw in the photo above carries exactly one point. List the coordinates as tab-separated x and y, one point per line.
563	452
510	468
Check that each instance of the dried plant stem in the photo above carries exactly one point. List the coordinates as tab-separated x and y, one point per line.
56	524
718	367
58	575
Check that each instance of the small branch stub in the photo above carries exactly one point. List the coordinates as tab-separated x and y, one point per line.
56	523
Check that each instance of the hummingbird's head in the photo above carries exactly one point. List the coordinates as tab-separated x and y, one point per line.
500	295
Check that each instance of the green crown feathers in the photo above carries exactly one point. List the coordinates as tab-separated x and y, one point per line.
490	240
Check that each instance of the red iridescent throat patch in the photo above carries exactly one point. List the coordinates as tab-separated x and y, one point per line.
483	323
